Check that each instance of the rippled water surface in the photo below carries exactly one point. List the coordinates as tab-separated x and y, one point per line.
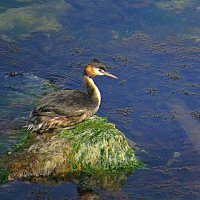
154	49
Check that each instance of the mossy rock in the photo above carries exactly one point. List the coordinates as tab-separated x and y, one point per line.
90	147
97	145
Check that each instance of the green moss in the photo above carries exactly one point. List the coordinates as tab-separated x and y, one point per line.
23	143
97	145
52	87
3	175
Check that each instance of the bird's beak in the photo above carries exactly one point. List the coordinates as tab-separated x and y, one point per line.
109	75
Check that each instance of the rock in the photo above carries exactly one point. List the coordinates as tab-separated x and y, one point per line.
91	147
37	17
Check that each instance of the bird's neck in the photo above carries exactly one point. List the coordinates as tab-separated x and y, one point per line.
92	89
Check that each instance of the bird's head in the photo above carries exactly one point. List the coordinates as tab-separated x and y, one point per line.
96	68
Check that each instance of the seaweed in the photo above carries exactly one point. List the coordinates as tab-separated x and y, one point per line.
3	175
23	143
98	145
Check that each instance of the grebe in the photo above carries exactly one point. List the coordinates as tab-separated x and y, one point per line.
66	108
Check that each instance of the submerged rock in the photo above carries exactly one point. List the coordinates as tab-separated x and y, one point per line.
91	147
174	5
36	17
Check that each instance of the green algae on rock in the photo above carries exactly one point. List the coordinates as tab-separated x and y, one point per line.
3	175
97	145
90	147
33	18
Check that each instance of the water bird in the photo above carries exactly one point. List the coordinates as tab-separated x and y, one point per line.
66	108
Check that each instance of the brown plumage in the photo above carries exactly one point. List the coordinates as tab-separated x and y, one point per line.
69	107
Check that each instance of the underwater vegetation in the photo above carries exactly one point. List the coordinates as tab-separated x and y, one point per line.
3	175
175	5
33	18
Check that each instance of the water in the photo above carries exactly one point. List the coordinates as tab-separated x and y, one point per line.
153	47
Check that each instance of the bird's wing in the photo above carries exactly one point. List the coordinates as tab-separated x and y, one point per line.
69	103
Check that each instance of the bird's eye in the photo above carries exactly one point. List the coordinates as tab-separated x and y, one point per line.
102	68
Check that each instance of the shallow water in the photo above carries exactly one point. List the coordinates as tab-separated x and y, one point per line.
154	49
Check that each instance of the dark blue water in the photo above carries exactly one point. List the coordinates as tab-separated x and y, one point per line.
154	49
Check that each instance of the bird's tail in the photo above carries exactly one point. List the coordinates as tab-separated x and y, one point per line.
34	123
